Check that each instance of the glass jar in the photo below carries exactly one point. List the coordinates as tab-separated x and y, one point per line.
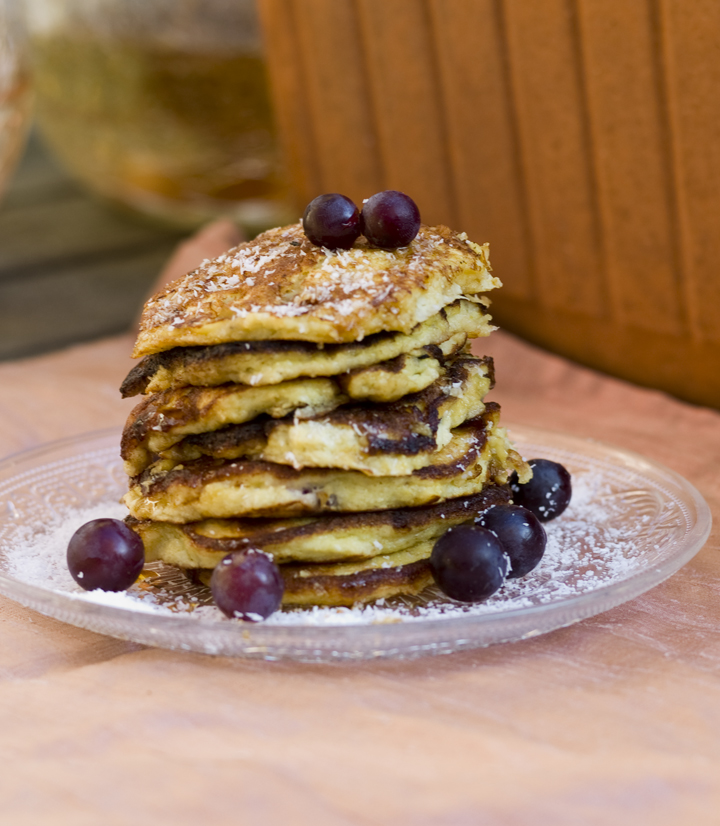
160	105
15	97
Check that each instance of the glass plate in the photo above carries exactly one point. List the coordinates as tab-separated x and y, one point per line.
632	524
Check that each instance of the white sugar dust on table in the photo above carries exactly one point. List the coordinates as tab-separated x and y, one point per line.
592	545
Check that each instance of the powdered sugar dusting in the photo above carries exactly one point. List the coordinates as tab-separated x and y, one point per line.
593	545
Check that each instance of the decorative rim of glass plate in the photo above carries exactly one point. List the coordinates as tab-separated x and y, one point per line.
637	524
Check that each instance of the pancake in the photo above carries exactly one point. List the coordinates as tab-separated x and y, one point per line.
409	373
214	488
391	380
249	441
345	537
281	286
239	441
387	440
271	362
164	418
352	583
406	573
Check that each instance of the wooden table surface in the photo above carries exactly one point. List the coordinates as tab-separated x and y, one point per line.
71	268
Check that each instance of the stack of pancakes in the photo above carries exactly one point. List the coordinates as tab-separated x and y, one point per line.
320	405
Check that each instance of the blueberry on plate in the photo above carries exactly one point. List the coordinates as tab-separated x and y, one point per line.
247	585
468	563
105	553
549	491
521	535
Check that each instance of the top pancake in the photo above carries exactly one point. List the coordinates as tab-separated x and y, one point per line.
282	287
270	362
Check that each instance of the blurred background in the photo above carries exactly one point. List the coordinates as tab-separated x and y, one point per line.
581	138
149	119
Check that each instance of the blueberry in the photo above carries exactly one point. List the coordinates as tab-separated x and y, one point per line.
248	585
520	533
105	553
468	563
390	219
549	491
332	221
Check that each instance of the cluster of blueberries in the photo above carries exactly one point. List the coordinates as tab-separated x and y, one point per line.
471	562
388	220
